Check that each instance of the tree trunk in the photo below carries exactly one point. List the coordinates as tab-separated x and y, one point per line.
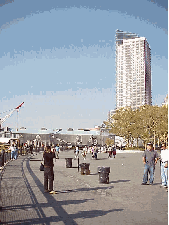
167	139
137	142
145	145
154	140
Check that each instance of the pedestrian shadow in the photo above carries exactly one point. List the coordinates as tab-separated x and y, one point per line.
86	189
67	221
57	206
156	183
118	181
43	205
35	159
100	159
94	213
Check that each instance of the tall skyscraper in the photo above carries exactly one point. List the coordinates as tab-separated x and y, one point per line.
133	70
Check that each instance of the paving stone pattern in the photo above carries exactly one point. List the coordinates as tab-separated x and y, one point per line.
81	199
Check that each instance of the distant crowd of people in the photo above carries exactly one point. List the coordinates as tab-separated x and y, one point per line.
94	150
23	149
29	148
150	158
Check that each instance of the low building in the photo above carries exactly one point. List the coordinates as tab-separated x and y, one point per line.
80	137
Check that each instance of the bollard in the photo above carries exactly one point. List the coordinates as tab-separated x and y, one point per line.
85	168
103	174
68	162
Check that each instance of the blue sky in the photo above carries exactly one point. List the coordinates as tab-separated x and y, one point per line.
59	57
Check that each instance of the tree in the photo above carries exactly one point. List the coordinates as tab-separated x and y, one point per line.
121	123
147	122
109	141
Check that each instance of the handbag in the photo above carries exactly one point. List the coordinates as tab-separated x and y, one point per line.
41	167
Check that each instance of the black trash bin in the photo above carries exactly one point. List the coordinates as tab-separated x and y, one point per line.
103	174
85	168
68	162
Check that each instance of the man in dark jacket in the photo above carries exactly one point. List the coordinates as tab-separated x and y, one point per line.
48	170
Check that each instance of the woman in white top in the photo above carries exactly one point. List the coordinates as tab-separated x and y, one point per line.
164	166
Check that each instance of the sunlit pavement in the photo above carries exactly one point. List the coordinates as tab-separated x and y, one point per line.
81	199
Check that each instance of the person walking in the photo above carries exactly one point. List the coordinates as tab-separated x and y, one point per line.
109	152
76	153
21	149
164	166
31	149
12	148
57	151
95	152
48	170
114	151
149	158
16	151
84	154
92	150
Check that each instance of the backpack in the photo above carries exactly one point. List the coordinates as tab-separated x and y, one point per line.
41	167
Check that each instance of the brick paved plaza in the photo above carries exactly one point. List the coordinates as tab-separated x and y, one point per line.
81	199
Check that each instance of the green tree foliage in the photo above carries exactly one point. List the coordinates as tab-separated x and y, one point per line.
147	123
109	141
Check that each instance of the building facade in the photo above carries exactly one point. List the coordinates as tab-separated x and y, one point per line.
133	70
63	137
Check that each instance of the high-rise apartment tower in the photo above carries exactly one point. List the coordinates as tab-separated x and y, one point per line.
133	70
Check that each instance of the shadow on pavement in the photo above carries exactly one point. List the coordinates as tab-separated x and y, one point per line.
67	221
100	158
156	183
94	213
86	189
118	181
30	206
61	213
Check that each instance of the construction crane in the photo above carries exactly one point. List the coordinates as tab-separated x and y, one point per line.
8	115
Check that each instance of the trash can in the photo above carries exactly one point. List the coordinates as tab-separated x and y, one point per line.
85	168
68	162
103	174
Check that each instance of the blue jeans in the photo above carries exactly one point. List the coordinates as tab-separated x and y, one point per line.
12	154
16	154
164	174
150	169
